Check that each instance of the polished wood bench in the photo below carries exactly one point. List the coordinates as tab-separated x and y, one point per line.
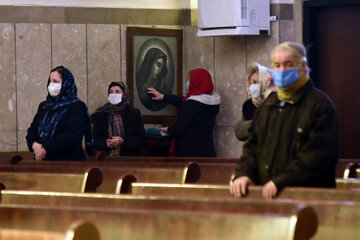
114	177
85	181
197	172
79	230
222	191
13	157
338	210
350	183
118	175
139	224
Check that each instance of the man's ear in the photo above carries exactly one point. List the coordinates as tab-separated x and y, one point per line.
303	66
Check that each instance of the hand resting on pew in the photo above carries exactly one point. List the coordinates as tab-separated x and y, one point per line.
239	186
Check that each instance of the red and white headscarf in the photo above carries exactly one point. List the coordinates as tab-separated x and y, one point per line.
200	83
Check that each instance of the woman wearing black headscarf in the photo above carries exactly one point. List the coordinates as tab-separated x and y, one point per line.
118	128
61	121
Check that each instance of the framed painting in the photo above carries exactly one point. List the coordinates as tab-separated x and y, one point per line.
154	59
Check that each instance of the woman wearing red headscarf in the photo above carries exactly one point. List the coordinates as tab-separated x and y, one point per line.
193	130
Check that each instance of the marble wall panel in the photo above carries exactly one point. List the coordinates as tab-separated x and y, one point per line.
226	143
230	73
33	63
123	52
7	78
7	141
259	47
69	50
287	31
298	19
198	52
21	141
103	46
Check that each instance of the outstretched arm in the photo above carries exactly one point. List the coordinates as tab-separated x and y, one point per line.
157	95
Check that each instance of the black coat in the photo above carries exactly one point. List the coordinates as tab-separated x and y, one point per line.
66	144
134	131
193	130
248	110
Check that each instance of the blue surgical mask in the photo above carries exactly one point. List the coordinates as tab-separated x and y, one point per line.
187	87
283	79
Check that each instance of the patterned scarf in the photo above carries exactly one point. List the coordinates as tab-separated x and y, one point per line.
288	92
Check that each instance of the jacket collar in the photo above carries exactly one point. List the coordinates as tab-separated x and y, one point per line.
296	98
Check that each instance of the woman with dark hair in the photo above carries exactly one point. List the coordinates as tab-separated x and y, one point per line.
152	73
118	128
193	131
61	121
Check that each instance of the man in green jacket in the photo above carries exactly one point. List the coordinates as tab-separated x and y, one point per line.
294	137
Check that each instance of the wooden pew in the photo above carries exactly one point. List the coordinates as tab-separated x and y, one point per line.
79	230
350	183
222	191
139	224
345	168
117	175
14	157
337	210
87	181
200	172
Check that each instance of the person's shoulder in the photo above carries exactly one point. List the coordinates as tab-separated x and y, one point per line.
79	104
320	100
42	105
133	111
247	103
78	107
319	96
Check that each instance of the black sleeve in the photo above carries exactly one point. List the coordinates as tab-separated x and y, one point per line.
185	118
247	164
248	110
100	131
136	138
173	100
70	130
32	132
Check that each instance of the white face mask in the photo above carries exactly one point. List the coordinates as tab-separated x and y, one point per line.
54	89
115	98
254	90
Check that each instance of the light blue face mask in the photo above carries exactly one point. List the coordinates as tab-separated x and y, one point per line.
283	79
187	87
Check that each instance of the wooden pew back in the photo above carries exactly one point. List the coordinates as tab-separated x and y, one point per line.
222	191
79	230
87	181
134	224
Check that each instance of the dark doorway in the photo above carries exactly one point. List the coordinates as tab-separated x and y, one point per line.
332	36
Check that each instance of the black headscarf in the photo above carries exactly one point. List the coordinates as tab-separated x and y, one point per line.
125	101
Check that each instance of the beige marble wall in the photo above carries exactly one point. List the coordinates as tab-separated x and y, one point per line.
230	71
33	63
198	52
96	54
103	47
8	88
69	50
259	48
